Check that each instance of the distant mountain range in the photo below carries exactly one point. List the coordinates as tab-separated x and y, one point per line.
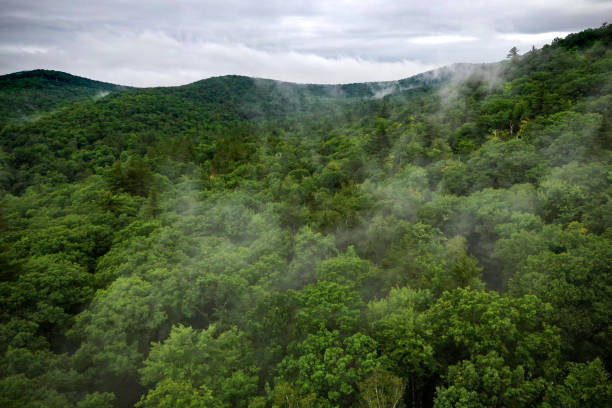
26	95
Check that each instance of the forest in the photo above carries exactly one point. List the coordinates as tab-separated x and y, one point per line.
440	241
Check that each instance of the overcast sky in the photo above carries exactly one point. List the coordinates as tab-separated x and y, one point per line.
172	42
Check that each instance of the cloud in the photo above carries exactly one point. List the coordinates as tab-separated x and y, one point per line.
22	49
163	60
163	42
441	39
536	39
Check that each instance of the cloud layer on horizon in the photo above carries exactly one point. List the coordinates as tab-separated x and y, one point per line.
164	42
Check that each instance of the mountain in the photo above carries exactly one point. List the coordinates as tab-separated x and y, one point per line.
151	116
441	240
24	96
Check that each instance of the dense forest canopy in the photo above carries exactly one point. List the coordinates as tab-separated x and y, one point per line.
440	241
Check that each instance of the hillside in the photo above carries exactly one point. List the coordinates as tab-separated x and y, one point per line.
443	240
25	96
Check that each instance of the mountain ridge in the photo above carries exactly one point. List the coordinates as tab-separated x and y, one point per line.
66	77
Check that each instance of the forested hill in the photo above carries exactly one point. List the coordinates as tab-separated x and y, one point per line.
152	118
439	241
25	96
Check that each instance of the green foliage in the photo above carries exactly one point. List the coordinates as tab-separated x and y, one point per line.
487	382
239	242
20	391
586	385
310	249
170	394
97	400
381	390
191	367
285	396
25	96
329	366
511	365
572	273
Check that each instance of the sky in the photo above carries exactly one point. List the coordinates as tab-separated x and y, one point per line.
174	42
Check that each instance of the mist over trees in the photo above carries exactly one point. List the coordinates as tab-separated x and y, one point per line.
440	241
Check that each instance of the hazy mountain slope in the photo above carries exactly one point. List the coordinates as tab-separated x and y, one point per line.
24	96
140	118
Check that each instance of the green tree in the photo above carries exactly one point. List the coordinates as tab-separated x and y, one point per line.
329	366
97	400
381	390
197	363
586	385
171	394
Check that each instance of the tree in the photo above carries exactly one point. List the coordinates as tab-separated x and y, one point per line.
285	396
153	208
381	390
116	178
170	394
196	364
346	269
587	385
310	249
329	365
97	400
405	350
379	140
574	274
487	382
513	53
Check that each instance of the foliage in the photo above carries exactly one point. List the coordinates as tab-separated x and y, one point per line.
239	242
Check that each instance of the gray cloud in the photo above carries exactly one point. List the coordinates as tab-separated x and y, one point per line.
164	42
